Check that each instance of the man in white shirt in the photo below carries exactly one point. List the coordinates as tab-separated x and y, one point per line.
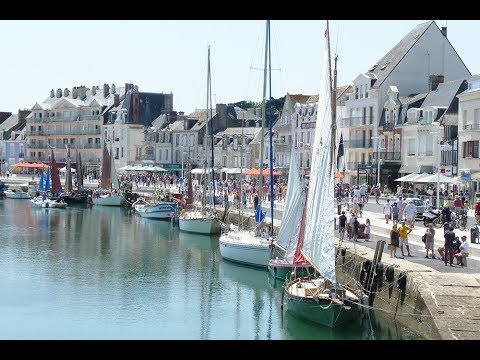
464	248
387	210
410	213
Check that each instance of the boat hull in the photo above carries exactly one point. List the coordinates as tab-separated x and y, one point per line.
207	225
47	203
253	253
114	200
280	269
322	311
16	195
164	210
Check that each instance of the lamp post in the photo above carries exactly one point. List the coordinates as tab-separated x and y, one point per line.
435	135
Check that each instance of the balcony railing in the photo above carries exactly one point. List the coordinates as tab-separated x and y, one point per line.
66	118
356	144
145	157
357	165
388	127
356	121
35	132
388	156
472	127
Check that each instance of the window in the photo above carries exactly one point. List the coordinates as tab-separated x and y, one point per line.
122	151
470	149
411	147
224	161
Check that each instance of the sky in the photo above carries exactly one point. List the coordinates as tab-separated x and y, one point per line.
170	56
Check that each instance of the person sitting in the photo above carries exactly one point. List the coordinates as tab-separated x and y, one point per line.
464	248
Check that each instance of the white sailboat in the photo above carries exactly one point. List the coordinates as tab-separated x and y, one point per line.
290	234
253	247
321	298
205	219
110	193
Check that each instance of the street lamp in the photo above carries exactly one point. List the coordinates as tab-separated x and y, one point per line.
436	136
378	158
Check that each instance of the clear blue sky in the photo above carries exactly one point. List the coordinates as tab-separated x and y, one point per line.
171	56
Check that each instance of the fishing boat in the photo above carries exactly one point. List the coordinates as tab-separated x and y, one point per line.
320	298
43	200
17	192
203	220
253	246
286	255
71	196
160	209
110	193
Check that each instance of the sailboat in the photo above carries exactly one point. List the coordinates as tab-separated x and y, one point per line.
70	196
110	194
291	232
320	297
204	220
44	186
253	247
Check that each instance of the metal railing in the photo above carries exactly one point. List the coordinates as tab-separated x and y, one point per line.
356	121
389	156
353	144
472	127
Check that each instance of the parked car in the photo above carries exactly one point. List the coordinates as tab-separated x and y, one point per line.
419	207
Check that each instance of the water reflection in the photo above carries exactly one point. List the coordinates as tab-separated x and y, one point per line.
106	273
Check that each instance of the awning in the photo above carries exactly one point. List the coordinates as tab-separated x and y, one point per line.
202	171
413	177
264	172
433	178
64	169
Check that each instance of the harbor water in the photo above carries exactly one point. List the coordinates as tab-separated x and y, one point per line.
105	273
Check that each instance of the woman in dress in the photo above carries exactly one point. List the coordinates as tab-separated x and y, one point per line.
366	231
394	241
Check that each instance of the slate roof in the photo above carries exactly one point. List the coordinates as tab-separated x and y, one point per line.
410	99
444	95
390	61
9	123
247	131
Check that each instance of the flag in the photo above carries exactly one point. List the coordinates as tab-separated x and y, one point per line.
326	33
340	154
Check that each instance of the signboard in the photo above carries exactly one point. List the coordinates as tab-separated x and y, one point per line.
309	125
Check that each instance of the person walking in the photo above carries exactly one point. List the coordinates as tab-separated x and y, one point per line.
377	194
342	224
410	214
393	241
395	212
403	232
387	210
356	224
366	231
351	220
449	236
429	240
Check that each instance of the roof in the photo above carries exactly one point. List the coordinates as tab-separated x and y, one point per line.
444	94
390	61
410	99
340	91
9	123
299	98
245	114
252	131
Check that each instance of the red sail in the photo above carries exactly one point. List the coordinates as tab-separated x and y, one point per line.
105	179
79	171
298	257
56	185
68	179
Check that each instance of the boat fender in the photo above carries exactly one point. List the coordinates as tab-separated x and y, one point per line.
365	269
389	273
379	274
402	280
343	251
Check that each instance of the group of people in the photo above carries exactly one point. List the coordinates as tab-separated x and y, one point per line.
352	227
401	210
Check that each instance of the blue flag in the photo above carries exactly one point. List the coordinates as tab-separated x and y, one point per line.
340	154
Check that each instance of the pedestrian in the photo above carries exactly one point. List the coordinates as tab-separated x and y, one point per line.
342	223
395	211
351	220
403	232
387	210
410	213
393	241
449	236
366	231
356	224
255	201
377	194
429	240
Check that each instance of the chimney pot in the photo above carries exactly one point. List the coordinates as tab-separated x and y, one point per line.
59	93
52	93
444	31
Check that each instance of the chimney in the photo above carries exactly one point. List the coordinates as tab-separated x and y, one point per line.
106	90
94	90
74	92
82	92
66	92
128	87
22	115
52	93
116	100
444	31
112	91
434	80
59	93
136	106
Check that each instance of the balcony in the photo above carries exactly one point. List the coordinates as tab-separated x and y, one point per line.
359	144
356	165
388	127
356	121
388	156
145	157
472	127
90	146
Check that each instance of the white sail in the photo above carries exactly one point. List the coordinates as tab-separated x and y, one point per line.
292	215
319	246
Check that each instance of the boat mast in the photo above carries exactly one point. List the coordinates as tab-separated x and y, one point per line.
262	132
211	127
270	121
333	91
205	137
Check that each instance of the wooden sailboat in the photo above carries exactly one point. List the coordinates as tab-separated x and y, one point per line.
253	247
70	195
205	219
321	298
110	193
